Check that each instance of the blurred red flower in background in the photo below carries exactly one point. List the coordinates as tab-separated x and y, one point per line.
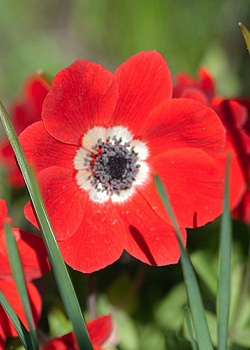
242	211
100	332
35	264
101	138
233	113
23	112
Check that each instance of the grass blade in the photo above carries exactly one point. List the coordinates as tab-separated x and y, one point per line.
65	287
22	332
190	328
246	35
17	271
224	267
194	297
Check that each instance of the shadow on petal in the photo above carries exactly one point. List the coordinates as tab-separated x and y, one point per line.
142	244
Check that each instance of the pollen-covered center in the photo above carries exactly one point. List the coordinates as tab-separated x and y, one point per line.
112	165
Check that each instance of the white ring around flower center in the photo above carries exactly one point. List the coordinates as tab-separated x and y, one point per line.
89	140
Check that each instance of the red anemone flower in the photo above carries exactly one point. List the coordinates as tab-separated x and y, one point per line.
35	264
23	112
234	116
101	139
100	330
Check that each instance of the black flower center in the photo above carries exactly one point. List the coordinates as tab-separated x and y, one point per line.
112	165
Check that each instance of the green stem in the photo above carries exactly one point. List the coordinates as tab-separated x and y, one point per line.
58	266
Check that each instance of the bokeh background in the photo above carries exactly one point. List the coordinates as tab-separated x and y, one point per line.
147	303
52	34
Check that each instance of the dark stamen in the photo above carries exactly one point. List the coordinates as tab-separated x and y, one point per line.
113	165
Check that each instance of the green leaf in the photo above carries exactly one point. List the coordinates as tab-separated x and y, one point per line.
224	266
194	297
17	323
66	289
190	328
246	35
17	271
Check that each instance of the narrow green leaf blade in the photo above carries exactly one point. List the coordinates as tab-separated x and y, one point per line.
17	271
58	266
194	297
246	35
224	267
19	327
190	328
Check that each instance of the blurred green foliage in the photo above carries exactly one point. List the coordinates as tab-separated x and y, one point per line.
52	34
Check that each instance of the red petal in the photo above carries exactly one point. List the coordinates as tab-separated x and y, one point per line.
44	151
15	178
33	255
36	88
149	238
195	94
7	159
183	123
246	140
238	172
28	108
65	202
182	81
7	155
100	329
82	96
2	337
98	242
206	83
194	184
230	111
232	115
3	212
60	344
11	294
144	82
242	212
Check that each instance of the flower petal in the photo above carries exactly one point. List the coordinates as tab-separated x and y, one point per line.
149	238
100	329
195	94
65	202
242	212
33	255
2	337
82	96
98	242
11	294
144	82
238	170
7	158
183	123
43	151
204	82
194	184
3	212
62	343
230	112
28	108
